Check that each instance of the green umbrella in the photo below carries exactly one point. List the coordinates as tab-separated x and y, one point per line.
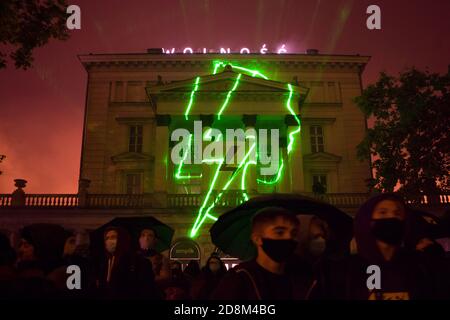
134	226
231	232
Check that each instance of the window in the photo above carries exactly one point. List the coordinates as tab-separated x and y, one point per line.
135	142
316	92
332	94
319	184
133	183
118	91
135	91
316	134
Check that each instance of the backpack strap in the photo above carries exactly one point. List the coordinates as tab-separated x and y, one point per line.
308	293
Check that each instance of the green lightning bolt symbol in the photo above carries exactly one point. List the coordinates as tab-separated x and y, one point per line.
209	202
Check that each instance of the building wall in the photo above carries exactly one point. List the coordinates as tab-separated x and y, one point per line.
117	91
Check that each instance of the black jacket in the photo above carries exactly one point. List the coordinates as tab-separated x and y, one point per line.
250	281
131	278
405	277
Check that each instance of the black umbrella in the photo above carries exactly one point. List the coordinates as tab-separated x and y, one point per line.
134	226
231	232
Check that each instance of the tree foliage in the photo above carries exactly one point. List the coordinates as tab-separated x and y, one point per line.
29	24
2	157
410	139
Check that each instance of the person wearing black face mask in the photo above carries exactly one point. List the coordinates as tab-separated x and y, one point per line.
380	226
274	233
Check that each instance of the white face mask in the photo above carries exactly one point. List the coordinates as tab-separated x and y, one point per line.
144	243
110	245
317	246
147	240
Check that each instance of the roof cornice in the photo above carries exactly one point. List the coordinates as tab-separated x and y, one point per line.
294	61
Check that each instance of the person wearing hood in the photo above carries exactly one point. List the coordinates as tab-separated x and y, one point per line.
315	247
41	247
120	273
318	253
72	256
274	233
39	257
380	228
209	278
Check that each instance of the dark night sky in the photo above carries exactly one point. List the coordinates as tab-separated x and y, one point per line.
41	109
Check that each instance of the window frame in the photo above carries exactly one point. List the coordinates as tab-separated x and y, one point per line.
314	138
137	188
319	176
135	138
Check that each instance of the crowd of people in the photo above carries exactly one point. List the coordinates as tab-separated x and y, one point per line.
413	265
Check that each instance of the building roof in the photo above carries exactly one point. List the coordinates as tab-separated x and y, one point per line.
204	60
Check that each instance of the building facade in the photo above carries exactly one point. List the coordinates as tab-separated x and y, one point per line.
135	102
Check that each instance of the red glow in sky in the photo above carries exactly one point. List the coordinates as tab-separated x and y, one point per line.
41	109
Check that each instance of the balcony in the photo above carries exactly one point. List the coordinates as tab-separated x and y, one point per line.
229	199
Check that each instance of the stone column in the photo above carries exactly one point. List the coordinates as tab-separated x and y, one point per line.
295	158
326	92
18	195
285	183
251	183
125	92
83	186
112	93
207	121
162	158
